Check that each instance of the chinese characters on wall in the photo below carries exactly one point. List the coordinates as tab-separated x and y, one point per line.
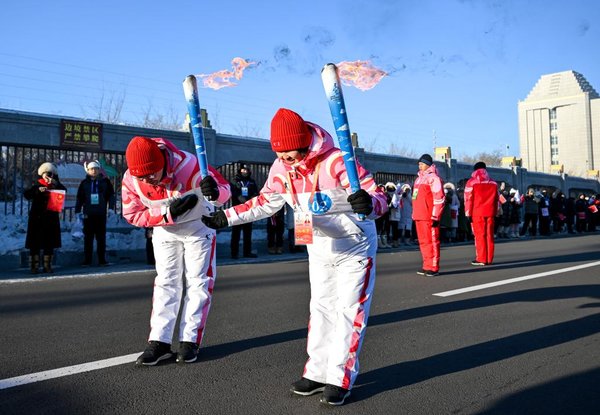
80	134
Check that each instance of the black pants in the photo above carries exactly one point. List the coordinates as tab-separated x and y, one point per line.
94	227
235	239
275	233
529	222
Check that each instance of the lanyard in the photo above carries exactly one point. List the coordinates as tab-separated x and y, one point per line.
312	193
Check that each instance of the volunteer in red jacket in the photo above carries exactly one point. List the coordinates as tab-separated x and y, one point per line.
428	204
481	205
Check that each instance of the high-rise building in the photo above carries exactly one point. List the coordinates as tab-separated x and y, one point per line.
559	125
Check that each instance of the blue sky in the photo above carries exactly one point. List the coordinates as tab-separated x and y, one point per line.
456	67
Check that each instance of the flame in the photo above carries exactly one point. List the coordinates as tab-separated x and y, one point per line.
222	78
360	74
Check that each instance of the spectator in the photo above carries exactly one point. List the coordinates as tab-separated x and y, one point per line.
150	260
557	211
405	223
243	188
428	205
515	213
394	213
275	228
449	221
160	190
581	213
570	214
544	214
309	174
481	206
94	195
43	225
530	217
382	222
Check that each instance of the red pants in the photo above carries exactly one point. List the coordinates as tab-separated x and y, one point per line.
429	244
483	230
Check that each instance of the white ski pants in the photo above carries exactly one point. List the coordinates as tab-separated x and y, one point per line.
179	259
342	277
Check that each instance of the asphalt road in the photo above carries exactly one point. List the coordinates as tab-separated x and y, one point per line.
527	347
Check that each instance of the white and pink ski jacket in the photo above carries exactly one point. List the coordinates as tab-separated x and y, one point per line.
146	205
317	185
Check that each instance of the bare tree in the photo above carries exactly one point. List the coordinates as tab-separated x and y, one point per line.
246	130
172	120
109	108
402	150
493	158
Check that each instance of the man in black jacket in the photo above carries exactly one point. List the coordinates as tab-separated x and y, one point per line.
94	196
243	188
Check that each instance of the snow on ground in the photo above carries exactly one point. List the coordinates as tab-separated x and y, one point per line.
120	235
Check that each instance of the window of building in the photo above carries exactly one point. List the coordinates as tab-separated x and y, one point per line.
553	114
553	140
553	126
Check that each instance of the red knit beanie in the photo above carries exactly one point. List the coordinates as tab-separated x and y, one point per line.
143	156
289	131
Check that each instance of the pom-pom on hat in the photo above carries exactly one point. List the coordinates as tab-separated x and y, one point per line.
426	158
47	168
289	131
143	156
479	165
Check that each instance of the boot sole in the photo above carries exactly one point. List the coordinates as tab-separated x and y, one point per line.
338	403
163	357
182	360
308	393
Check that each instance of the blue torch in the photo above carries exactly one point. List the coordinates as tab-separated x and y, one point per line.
190	89
337	107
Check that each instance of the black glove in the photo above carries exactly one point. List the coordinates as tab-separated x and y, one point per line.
217	220
435	223
179	206
361	202
209	188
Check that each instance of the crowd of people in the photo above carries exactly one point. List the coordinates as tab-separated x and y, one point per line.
533	214
308	193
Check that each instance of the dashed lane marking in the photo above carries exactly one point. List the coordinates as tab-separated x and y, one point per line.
518	279
66	371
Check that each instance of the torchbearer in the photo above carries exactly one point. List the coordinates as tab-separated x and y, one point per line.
164	190
309	175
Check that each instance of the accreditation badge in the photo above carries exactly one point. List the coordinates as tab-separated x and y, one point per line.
303	228
244	191
95	199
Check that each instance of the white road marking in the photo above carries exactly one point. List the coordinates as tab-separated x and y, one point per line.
518	279
66	371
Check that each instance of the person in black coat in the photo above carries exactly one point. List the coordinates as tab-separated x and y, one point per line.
43	225
94	195
243	188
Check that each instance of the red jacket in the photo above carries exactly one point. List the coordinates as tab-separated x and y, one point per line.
481	195
428	195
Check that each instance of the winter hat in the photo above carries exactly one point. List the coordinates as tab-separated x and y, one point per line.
426	158
47	168
479	165
143	156
92	165
289	131
390	185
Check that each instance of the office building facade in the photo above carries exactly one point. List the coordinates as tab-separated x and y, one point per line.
559	125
